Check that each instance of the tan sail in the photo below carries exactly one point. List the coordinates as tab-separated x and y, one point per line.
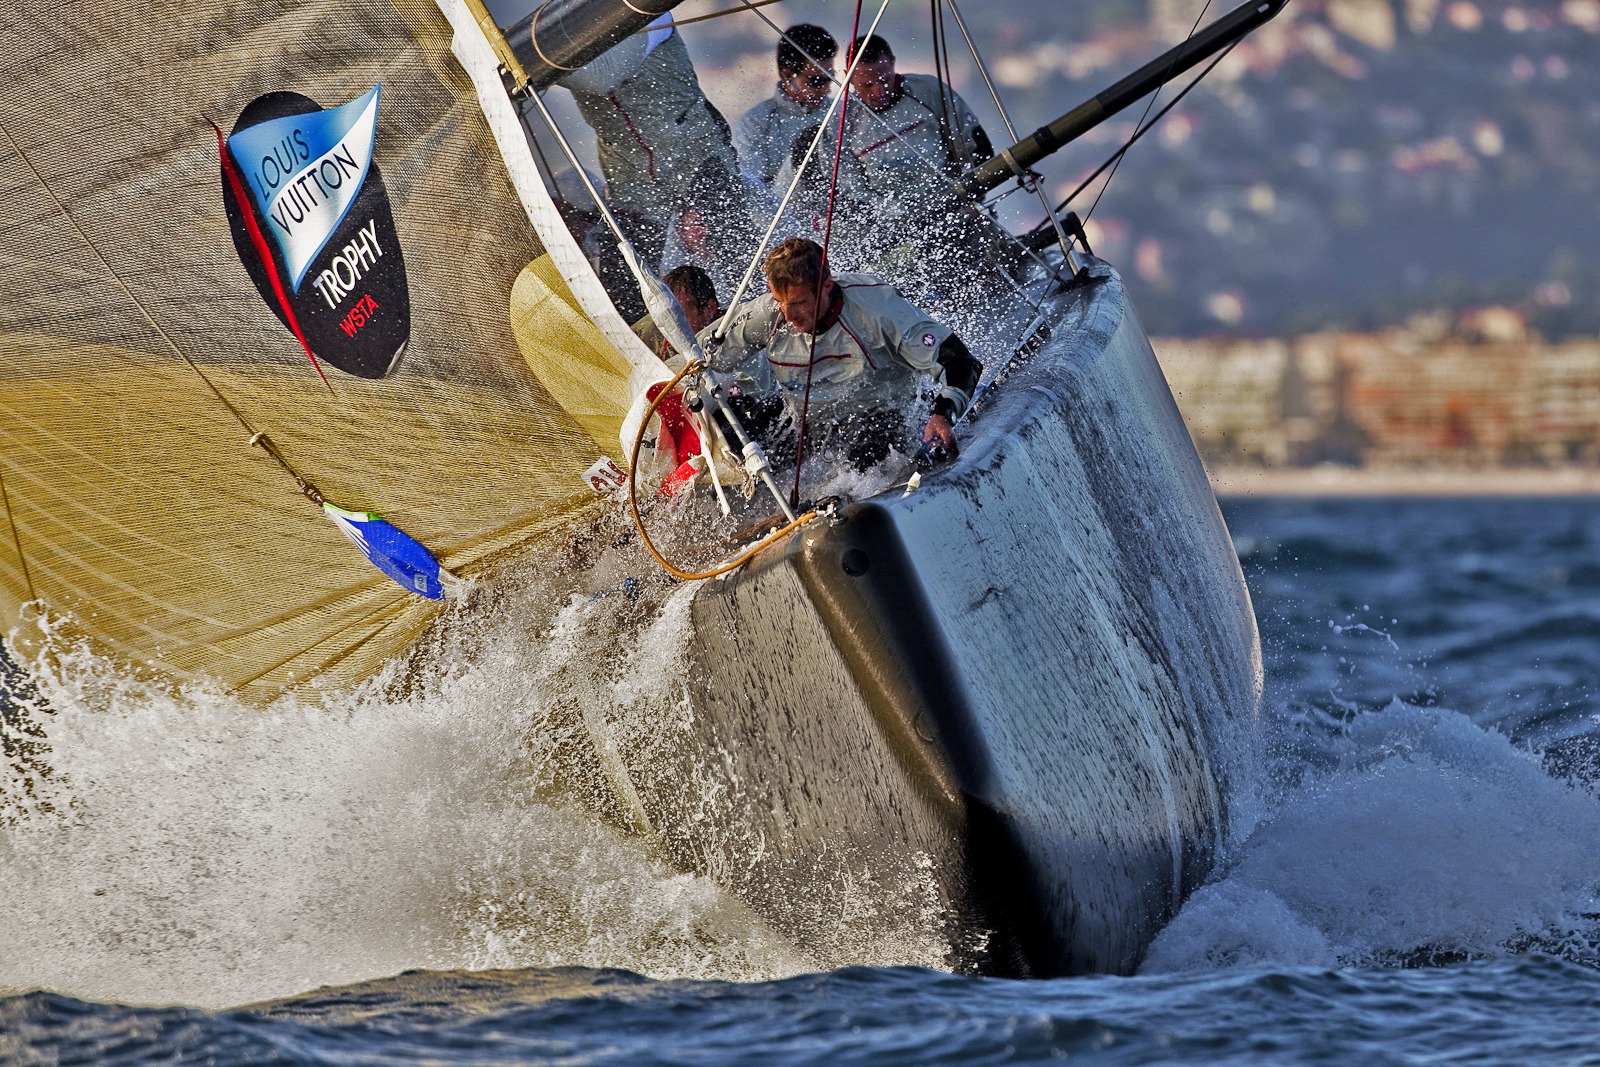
133	498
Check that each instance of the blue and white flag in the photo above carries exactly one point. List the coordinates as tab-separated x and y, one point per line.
304	172
394	553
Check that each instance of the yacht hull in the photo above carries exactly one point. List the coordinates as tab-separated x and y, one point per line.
1005	701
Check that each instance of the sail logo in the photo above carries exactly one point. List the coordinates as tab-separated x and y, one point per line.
349	266
305	171
313	226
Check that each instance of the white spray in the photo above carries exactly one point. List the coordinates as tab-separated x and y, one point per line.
188	847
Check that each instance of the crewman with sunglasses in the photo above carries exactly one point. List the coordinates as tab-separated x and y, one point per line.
765	134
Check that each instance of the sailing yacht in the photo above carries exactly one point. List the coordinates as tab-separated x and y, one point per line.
302	351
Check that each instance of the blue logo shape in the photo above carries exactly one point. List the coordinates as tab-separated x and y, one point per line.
304	172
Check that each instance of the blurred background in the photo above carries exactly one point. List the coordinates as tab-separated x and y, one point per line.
1369	238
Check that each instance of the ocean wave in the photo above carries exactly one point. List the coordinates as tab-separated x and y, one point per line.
1428	839
1524	1010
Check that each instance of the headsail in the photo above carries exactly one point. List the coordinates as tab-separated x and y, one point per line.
582	291
135	501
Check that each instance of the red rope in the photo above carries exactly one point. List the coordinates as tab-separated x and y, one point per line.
827	234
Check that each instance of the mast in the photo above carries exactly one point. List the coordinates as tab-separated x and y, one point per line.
1015	161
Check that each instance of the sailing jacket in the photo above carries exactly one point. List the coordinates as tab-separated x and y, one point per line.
902	154
653	126
873	345
765	135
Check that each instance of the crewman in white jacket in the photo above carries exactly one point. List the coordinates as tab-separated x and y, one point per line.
858	346
918	136
905	141
766	133
662	145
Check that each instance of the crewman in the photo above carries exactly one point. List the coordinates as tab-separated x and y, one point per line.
692	286
766	132
678	445
662	144
909	133
698	296
816	196
677	441
846	352
718	232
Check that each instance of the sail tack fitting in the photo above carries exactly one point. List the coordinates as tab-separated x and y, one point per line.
1092	112
563	35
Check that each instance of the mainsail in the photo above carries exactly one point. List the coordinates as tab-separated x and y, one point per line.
141	351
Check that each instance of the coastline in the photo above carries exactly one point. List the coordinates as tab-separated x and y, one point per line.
1398	481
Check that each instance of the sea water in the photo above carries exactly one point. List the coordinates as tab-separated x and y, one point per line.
1411	875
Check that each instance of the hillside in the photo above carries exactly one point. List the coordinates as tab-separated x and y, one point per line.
1350	165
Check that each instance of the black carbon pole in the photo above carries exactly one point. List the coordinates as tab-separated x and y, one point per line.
562	35
1014	161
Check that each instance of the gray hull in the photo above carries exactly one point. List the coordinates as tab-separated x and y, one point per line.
1013	687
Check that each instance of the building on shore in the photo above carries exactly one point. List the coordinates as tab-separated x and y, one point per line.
1485	394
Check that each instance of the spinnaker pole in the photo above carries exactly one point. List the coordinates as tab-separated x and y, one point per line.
562	35
1014	162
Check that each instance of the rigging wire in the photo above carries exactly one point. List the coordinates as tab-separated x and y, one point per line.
908	146
939	72
1118	154
1177	53
963	151
625	246
994	93
693	364
799	173
827	235
553	187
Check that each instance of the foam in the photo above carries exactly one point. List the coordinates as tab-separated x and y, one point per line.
208	852
470	808
1426	838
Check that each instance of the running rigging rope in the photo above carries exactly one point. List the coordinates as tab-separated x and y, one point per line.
638	521
827	235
